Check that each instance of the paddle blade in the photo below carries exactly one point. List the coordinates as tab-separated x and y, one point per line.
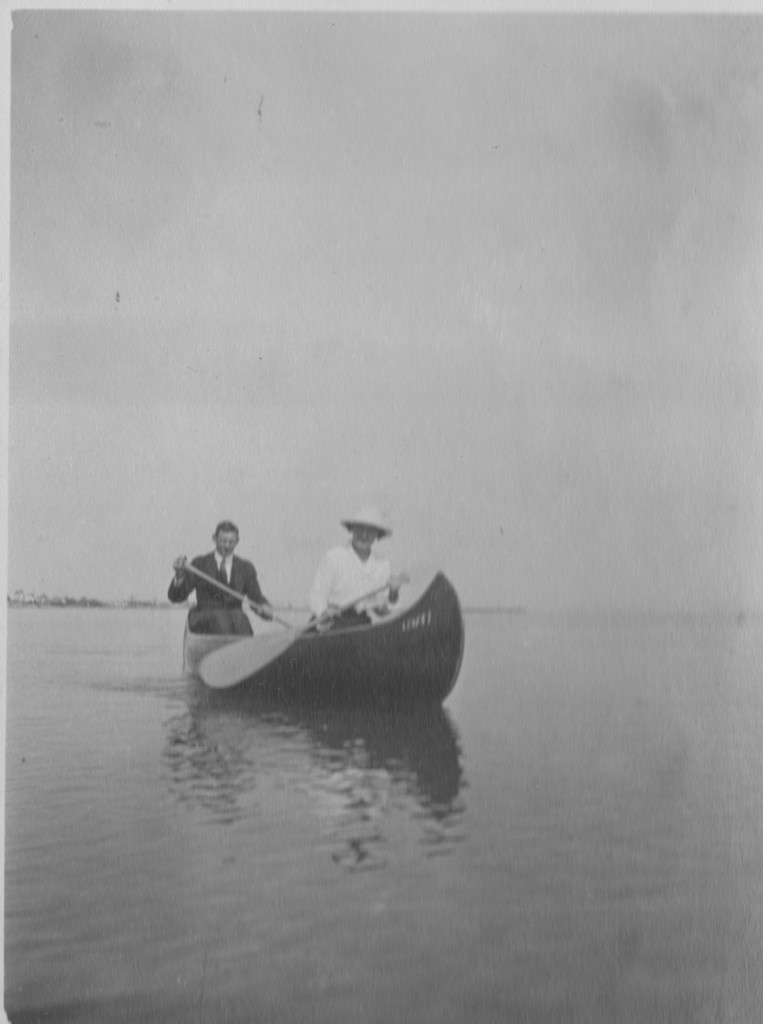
232	664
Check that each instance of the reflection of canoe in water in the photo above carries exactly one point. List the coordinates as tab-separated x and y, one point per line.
419	745
411	657
222	747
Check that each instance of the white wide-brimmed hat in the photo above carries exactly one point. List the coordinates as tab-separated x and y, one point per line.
368	515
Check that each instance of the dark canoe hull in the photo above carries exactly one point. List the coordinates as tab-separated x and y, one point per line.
413	657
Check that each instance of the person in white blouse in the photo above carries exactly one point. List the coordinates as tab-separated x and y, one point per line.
348	573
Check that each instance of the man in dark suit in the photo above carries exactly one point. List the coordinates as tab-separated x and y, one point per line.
216	611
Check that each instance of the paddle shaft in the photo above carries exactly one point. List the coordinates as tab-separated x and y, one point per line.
231	593
329	613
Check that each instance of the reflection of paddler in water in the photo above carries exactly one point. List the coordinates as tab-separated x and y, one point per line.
212	761
218	749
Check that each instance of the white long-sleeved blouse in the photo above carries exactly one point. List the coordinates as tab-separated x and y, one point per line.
342	578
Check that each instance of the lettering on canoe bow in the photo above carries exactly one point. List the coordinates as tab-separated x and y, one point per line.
417	621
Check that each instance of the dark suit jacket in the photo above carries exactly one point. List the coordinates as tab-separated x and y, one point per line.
243	579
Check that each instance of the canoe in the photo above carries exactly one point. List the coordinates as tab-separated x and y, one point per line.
410	657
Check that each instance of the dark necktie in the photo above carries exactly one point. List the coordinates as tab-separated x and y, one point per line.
223	575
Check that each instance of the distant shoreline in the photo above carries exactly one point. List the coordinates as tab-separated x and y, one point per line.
132	605
85	602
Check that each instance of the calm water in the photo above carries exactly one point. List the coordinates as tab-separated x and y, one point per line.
576	836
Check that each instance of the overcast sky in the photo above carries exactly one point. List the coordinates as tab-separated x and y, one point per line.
500	274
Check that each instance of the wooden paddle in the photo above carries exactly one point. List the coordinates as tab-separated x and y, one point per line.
257	608
235	662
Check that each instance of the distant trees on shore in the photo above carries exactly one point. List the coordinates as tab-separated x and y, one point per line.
20	599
